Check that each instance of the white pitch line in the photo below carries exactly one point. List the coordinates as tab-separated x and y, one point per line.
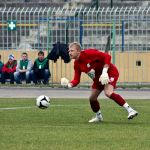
14	108
83	105
11	108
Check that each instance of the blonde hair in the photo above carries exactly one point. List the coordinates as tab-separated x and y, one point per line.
78	45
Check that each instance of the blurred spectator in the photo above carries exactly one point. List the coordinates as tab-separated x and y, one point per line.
23	69
8	69
41	69
1	66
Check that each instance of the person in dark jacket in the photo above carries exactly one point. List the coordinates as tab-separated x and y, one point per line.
8	69
41	69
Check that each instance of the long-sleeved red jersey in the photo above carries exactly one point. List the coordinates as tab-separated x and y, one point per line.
10	67
91	62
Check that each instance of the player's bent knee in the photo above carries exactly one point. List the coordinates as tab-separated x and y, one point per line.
108	93
92	98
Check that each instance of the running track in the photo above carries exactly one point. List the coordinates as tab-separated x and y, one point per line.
29	92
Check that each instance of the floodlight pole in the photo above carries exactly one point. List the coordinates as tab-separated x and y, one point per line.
95	3
111	3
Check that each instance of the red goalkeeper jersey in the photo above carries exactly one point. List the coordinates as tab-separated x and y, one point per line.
91	62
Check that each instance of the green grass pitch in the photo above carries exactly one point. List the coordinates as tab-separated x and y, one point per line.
64	126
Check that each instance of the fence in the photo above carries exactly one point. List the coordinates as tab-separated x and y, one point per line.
123	31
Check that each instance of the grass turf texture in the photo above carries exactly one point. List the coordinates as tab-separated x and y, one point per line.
64	126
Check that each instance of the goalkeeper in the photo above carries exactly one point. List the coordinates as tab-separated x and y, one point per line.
97	65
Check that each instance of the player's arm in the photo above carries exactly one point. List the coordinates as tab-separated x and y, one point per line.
105	68
104	78
77	74
106	59
76	79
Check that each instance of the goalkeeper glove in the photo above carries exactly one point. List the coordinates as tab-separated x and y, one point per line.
65	83
104	78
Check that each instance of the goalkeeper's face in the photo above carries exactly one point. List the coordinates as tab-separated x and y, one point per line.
74	52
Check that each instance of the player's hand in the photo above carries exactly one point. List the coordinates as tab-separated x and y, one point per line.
104	78
65	83
69	85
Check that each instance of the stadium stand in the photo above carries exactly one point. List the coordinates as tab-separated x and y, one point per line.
61	3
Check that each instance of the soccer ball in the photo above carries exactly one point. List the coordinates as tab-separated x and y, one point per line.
42	101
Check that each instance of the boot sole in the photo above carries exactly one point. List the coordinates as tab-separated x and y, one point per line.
132	116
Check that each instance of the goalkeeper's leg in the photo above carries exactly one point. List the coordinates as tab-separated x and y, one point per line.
109	92
95	106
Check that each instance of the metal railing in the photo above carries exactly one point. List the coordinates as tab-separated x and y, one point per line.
39	28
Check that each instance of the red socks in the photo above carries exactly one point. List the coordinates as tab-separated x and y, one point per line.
95	106
118	99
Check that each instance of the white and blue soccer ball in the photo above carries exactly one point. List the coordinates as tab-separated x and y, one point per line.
42	101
